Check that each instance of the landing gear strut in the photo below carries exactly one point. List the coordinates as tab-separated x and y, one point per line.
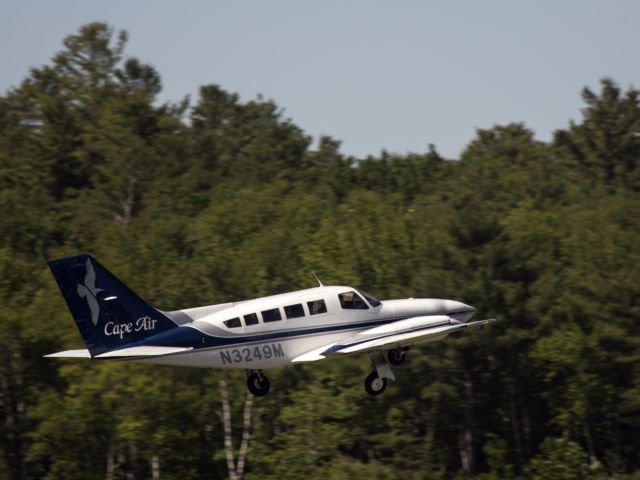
376	382
257	383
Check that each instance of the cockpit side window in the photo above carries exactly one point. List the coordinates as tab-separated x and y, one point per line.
373	301
352	301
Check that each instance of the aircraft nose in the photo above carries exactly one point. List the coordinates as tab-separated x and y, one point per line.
460	311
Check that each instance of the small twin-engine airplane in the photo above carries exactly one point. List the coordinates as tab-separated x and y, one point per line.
303	326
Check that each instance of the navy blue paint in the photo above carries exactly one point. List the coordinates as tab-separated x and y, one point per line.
85	286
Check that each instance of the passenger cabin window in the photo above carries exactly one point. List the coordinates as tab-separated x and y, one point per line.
294	311
316	307
352	301
272	315
250	319
233	323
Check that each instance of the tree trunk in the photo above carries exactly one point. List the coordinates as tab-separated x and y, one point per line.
246	431
429	419
133	460
110	463
155	466
594	463
11	385
235	467
127	202
465	439
515	429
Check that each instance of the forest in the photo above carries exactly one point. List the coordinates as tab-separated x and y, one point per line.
216	199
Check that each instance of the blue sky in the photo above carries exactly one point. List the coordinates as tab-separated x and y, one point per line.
375	75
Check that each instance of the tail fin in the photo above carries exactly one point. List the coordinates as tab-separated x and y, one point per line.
108	314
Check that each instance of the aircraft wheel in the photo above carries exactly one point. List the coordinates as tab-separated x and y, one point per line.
397	356
258	384
374	385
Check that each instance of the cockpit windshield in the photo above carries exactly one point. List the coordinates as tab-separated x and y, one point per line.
373	301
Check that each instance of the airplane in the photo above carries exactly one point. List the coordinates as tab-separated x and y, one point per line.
274	331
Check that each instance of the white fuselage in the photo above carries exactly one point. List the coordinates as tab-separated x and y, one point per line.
272	331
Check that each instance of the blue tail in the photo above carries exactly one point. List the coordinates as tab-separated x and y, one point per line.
108	314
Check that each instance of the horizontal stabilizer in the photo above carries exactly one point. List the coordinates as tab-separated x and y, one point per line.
123	353
84	353
143	352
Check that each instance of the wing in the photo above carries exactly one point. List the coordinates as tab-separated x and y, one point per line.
149	351
411	331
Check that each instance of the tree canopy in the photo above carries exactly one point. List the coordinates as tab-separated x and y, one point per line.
224	199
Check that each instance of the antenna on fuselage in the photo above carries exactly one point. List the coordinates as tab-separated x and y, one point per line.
319	282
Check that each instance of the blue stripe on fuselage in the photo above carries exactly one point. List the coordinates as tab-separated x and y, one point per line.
187	336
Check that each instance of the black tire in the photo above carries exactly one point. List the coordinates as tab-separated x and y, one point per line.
375	385
397	356
258	384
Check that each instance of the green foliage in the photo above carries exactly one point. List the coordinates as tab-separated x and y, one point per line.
559	459
605	147
233	203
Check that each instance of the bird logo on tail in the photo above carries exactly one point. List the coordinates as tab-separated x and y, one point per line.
89	291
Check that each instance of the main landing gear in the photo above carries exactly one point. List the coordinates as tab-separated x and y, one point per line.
397	356
374	385
376	382
257	383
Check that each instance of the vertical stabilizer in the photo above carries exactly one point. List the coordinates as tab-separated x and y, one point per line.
108	314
